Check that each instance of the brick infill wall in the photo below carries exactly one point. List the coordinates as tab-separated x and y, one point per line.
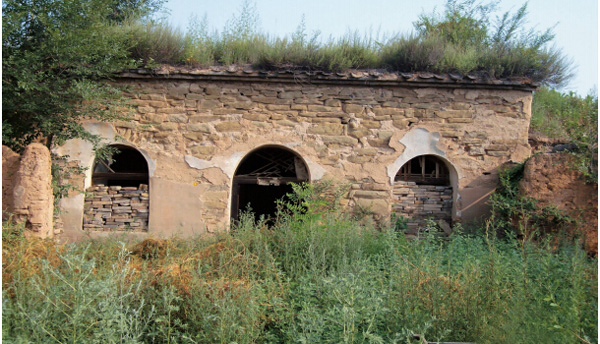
421	202
116	208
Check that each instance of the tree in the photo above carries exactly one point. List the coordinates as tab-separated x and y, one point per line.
56	57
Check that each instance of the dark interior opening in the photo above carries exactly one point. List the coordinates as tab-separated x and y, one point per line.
425	170
127	167
262	178
261	200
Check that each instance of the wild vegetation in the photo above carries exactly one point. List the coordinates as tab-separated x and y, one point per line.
316	276
573	119
463	39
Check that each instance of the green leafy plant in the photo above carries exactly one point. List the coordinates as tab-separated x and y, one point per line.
520	215
309	277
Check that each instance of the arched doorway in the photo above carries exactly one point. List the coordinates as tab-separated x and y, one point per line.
263	177
119	198
422	191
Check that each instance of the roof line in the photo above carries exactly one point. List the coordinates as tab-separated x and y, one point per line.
350	77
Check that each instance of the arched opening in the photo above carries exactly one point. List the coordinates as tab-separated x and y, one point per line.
422	191
263	177
119	198
126	168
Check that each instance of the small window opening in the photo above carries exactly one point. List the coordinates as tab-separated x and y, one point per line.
127	168
424	170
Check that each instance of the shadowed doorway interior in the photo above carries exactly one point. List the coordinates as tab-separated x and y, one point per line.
262	178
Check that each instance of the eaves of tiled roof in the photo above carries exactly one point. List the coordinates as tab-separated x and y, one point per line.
371	77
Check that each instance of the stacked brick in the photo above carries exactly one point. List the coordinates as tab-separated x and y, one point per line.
421	202
116	208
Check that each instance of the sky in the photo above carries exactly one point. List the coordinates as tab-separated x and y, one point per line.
575	23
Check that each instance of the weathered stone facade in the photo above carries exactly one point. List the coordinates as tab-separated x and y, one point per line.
194	128
32	199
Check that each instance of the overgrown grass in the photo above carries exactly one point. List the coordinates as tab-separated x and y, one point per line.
316	276
573	119
462	40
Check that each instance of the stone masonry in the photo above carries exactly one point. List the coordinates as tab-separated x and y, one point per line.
110	208
421	202
359	128
32	197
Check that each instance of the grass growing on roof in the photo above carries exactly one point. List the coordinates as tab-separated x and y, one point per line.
462	39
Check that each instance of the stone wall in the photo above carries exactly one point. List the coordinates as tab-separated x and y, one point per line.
195	129
32	200
418	203
114	208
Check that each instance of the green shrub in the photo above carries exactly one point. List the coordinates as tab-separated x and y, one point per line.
156	42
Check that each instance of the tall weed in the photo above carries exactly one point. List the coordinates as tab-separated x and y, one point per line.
314	275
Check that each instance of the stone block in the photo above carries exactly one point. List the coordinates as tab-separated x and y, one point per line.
498	153
202	118
203	151
212	90
290	94
158	104
194	96
331	129
145	109
209	104
256	117
404	92
340	140
224	111
353	108
454	114
299	107
195	88
199	127
178	118
381	143
359	159
370	124
286	123
366	151
168	126
401	124
171	110
388	111
321	108
459	120
333	102
228	126
370	194
359	132
242	105
276	107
